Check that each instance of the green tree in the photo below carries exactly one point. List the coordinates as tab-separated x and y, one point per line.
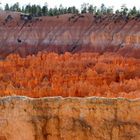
117	12
72	10
55	11
75	10
69	10
23	9
109	10
51	12
98	12
7	8
84	7
28	9
103	9
15	7
124	9
91	9
45	10
65	10
61	9
33	10
133	12
39	10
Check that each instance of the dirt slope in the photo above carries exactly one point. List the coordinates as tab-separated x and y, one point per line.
72	33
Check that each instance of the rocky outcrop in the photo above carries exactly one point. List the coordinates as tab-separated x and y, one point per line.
69	33
23	118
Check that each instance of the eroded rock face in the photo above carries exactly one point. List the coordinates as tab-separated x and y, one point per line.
59	118
69	33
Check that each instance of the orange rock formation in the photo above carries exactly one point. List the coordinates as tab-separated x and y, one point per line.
80	75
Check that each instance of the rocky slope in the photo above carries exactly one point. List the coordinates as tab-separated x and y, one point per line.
72	33
57	118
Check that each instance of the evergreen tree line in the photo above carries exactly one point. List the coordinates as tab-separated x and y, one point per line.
37	10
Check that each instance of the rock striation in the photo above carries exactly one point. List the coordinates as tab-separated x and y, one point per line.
69	33
57	118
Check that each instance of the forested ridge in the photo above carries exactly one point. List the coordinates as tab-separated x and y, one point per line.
37	10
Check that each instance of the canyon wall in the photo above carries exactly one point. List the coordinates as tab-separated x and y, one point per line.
70	75
23	118
69	33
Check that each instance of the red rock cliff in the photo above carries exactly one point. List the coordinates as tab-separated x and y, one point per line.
72	33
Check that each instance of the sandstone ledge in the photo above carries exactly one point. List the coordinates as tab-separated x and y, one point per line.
57	118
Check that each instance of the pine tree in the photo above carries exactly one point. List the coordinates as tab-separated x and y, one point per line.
7	8
133	12
84	7
90	9
45	10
